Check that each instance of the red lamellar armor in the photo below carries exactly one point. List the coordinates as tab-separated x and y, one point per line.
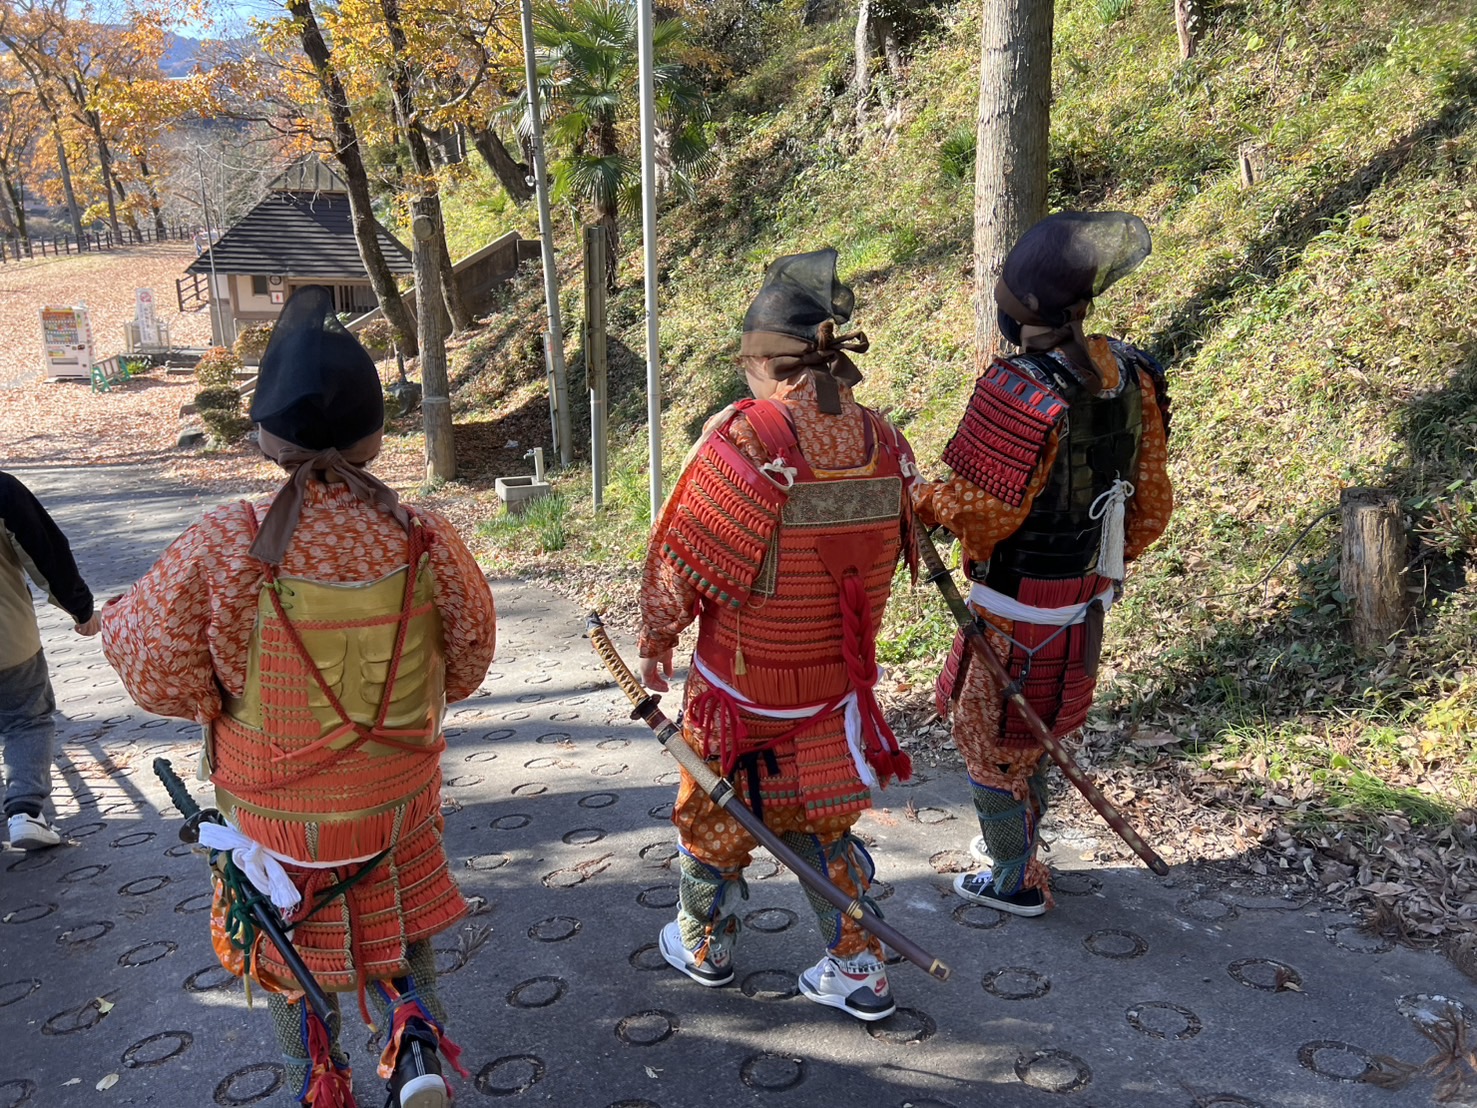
797	567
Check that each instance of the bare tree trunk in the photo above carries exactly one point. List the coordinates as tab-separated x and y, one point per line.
892	49
105	166
18	207
512	175
1011	157
436	390
153	194
429	201
1189	21
66	174
612	226
346	152
861	76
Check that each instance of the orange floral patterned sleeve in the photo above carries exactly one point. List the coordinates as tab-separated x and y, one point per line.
182	633
972	515
1153	497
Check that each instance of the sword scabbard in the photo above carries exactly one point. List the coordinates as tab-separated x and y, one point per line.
974	638
722	793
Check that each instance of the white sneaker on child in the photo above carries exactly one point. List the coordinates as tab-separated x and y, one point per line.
858	986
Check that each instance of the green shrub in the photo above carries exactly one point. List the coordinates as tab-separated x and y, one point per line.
956	155
546	517
251	342
217	366
221	398
1111	11
225	426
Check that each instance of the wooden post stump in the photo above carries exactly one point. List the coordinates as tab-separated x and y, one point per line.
1372	565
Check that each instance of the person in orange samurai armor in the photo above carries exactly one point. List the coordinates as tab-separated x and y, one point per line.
781	538
1059	480
317	639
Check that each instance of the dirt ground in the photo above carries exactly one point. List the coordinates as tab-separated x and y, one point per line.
105	283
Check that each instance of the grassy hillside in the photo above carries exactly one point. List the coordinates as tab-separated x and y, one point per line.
1319	328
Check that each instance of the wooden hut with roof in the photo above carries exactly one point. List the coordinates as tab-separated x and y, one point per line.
299	234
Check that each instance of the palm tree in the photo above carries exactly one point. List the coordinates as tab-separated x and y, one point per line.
589	60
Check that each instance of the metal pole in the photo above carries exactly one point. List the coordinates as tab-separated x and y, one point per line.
554	419
596	360
648	240
555	340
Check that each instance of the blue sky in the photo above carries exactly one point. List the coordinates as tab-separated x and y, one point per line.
231	17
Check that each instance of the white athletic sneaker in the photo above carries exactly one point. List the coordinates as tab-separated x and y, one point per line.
717	964
858	986
32	832
980	851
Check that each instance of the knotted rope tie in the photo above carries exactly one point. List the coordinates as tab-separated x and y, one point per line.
714	712
777	466
1109	507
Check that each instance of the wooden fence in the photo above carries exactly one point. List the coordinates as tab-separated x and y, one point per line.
13	248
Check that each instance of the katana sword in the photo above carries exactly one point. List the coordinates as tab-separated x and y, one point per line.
721	792
262	913
974	636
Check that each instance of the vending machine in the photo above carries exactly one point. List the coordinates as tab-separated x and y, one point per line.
66	339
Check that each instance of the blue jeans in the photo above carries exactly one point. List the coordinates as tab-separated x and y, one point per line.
28	733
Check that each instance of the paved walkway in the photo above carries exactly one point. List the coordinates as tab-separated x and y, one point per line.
1137	992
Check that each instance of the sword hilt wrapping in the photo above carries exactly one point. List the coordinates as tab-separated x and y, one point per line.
175	788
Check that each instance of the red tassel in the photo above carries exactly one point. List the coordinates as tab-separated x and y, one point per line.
453	1053
329	1086
448	1049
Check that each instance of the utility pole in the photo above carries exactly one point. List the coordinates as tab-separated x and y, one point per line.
554	343
596	355
648	240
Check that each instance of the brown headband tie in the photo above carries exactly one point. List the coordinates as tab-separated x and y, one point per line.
825	359
347	465
1038	335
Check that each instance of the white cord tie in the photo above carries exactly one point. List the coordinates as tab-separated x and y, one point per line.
777	466
252	859
1109	507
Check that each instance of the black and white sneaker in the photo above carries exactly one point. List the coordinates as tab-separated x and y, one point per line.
714	970
28	832
858	986
417	1081
979	888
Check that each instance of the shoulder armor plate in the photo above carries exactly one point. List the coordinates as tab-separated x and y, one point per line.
1004	429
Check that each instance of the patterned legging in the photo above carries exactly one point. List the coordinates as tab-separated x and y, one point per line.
290	1018
1007	783
716	849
